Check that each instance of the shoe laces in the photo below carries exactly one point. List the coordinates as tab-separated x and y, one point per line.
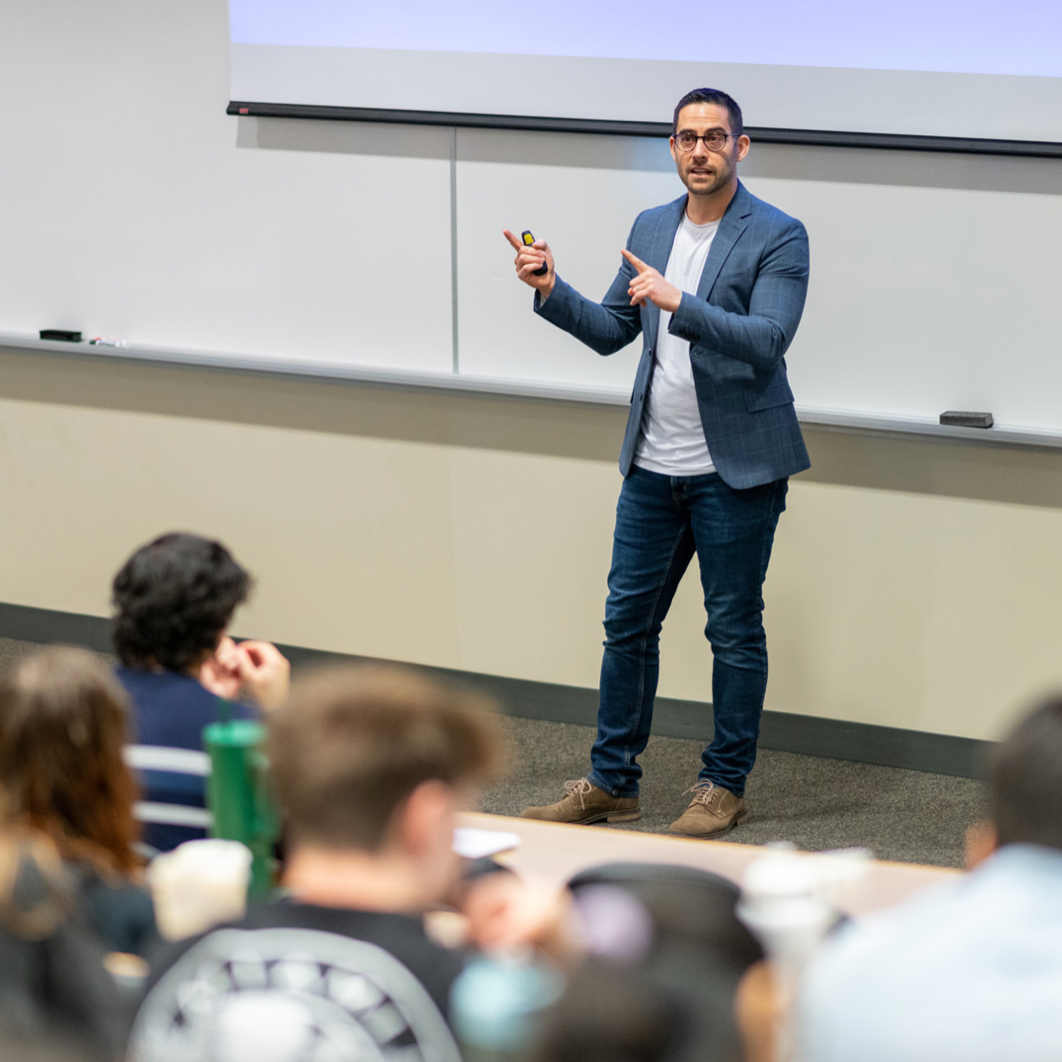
704	793
579	789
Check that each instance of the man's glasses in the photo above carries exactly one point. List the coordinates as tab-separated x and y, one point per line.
714	139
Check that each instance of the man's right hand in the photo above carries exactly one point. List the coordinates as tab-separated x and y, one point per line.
257	667
530	258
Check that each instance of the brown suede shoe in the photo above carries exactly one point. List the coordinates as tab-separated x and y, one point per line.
584	803
713	812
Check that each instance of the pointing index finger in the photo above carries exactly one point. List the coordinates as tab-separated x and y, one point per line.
517	244
635	261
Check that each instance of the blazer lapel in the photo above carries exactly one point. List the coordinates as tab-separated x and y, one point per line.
733	224
657	255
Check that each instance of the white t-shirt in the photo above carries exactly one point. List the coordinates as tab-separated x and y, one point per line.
672	440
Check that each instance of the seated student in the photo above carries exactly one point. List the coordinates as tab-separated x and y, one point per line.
173	600
971	970
668	956
57	1001
370	766
62	777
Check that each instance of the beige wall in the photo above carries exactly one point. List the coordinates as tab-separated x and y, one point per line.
914	582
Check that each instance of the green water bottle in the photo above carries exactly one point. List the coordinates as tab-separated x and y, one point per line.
239	795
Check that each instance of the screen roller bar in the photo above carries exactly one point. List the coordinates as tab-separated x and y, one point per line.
810	137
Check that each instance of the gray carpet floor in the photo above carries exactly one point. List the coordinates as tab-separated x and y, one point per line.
817	804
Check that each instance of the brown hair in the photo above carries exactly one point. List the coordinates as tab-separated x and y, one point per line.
352	744
62	728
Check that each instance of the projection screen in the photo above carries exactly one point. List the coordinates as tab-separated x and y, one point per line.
914	68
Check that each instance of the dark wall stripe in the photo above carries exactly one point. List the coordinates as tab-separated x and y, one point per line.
808	735
54	628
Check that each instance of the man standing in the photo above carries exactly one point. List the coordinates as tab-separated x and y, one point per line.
715	282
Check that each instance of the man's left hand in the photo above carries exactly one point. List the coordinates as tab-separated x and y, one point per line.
647	283
265	671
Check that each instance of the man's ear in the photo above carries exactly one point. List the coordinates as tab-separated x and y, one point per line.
742	146
982	839
426	819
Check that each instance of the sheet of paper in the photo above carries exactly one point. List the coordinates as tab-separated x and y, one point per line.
476	844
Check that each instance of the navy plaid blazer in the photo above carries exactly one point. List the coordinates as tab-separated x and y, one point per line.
739	326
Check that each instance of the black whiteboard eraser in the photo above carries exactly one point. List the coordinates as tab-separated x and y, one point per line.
61	334
961	419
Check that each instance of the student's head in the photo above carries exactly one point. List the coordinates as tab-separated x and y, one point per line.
666	964
62	729
716	98
173	600
669	1007
355	746
1025	780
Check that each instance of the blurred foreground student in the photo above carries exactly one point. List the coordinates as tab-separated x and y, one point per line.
971	970
371	767
62	777
70	886
174	599
668	954
57	1001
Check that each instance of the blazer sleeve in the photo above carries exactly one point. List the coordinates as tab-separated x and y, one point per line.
606	326
762	336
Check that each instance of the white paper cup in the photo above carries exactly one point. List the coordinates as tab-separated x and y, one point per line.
198	885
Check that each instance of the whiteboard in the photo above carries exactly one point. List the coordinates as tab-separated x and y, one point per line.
132	206
933	278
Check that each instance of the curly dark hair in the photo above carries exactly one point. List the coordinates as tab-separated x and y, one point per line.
173	600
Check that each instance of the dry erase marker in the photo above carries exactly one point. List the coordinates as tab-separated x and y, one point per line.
528	240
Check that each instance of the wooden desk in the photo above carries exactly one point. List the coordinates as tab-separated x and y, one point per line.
554	852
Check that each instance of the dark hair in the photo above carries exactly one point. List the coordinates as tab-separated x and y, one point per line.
686	904
673	1001
352	744
1025	779
612	1013
173	599
716	97
671	1007
62	730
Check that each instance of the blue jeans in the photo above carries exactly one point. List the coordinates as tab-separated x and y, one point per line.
661	521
